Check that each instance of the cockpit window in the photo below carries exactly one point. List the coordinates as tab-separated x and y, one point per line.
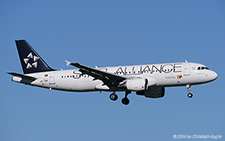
203	68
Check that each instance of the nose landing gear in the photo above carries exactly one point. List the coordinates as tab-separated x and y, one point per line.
190	95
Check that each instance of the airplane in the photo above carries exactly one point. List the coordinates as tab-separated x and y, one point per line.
147	80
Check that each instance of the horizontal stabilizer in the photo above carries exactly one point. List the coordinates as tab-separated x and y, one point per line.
22	76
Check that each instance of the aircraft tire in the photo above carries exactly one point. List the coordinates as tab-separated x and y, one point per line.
113	97
190	95
125	101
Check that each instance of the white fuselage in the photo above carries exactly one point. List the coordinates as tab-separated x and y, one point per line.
165	75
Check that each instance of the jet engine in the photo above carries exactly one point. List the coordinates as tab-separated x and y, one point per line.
136	84
152	92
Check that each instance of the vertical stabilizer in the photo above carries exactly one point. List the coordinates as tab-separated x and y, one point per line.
30	60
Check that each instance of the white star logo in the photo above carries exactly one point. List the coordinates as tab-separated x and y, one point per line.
30	65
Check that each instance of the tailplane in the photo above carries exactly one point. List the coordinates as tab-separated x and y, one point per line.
30	60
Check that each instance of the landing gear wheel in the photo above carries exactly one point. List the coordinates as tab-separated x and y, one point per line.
190	95
113	97
125	101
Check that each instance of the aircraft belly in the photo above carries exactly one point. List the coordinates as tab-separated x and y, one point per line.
77	85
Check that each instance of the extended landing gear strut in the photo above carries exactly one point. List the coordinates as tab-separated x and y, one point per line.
114	96
190	95
125	100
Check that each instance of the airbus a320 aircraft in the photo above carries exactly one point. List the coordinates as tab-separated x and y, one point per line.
147	80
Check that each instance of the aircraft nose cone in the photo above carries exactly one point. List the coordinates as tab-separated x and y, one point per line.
213	75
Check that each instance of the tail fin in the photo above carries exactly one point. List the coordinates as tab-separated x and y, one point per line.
30	60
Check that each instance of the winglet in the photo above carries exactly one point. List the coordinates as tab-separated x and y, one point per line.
67	63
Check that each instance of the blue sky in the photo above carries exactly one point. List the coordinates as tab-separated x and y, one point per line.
111	33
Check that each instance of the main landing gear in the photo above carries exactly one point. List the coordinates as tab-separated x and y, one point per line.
113	96
125	100
190	95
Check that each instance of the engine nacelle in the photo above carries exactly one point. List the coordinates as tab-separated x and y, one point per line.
152	92
136	84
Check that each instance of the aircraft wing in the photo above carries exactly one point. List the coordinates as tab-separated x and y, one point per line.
22	76
107	78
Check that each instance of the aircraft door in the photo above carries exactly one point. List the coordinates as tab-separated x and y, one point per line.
186	69
51	78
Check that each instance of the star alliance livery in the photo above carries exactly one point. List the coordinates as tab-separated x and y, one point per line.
147	80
